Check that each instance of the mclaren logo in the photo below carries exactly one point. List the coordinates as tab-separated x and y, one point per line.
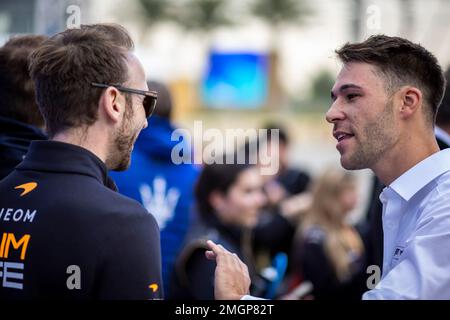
27	187
154	287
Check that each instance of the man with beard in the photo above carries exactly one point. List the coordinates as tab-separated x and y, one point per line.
65	231
384	105
385	101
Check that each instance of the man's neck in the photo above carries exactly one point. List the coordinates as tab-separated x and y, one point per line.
399	160
85	139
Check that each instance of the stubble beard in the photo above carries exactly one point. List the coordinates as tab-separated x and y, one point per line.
378	137
122	146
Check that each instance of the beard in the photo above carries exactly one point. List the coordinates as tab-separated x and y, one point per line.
122	146
377	137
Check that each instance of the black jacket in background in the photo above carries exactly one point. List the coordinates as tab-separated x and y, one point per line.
194	274
60	209
274	233
15	138
314	265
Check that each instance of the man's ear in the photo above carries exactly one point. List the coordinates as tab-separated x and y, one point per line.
411	99
112	104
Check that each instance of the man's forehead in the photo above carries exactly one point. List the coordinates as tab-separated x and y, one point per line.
135	69
356	74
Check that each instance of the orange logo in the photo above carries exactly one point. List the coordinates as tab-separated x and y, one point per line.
154	287
27	187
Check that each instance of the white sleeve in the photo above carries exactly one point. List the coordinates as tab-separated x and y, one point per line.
249	297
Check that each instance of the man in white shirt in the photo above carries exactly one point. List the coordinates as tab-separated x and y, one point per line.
385	100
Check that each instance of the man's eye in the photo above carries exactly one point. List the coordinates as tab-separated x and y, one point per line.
352	96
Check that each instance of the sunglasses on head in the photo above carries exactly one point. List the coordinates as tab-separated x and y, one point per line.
150	97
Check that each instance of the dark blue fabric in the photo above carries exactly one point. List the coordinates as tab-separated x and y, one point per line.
15	138
152	168
79	219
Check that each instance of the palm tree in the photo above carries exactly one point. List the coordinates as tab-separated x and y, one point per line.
203	15
151	13
278	14
193	15
199	17
156	11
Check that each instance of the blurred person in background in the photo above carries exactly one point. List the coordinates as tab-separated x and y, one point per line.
228	198
20	119
328	251
285	192
164	188
290	180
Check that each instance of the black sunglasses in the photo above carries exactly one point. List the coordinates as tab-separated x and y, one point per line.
150	97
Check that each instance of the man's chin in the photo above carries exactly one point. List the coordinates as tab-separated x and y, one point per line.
351	164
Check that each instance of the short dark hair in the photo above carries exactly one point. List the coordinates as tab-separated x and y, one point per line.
64	67
217	177
282	132
443	114
164	106
16	86
402	63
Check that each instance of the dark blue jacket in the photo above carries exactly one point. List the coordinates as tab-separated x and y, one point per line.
15	138
164	188
60	216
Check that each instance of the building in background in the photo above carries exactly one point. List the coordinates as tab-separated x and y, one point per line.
40	16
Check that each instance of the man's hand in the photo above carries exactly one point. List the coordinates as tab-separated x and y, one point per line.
231	280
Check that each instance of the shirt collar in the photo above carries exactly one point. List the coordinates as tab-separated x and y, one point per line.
54	156
413	180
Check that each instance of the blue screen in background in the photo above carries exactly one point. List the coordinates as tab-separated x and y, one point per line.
236	80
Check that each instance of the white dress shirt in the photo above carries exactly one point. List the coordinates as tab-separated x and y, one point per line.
416	225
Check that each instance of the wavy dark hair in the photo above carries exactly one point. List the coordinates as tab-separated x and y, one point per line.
216	177
65	65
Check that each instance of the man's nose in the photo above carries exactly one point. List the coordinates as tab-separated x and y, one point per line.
334	113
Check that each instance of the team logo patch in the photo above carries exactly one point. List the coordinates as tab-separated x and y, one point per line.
27	187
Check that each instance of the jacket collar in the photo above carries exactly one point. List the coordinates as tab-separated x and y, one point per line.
54	156
18	134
